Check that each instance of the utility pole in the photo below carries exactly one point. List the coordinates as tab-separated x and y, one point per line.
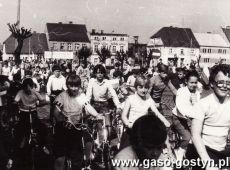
18	14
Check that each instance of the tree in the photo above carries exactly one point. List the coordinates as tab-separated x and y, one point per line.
20	34
104	53
83	55
121	57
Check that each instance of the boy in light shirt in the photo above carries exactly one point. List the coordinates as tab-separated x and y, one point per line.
211	121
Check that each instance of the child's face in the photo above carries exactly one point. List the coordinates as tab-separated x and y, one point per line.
221	85
192	83
142	89
99	75
73	90
180	74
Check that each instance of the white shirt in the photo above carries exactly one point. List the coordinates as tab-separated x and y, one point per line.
138	106
5	71
184	102
131	80
216	121
99	91
55	83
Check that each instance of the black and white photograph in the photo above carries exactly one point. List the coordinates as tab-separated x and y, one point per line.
114	85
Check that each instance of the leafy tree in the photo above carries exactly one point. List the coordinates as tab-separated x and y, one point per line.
20	34
83	55
104	53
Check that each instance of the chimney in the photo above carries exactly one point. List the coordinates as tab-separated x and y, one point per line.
136	39
93	31
70	22
102	31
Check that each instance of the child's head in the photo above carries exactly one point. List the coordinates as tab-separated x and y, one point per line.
192	80
27	84
180	73
148	136
73	83
219	80
163	70
142	85
100	72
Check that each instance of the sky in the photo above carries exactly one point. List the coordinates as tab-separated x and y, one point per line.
133	17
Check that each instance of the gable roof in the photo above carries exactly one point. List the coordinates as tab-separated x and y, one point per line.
210	40
36	44
177	37
227	33
67	32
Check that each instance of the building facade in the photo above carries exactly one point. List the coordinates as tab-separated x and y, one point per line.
213	49
173	42
66	38
111	41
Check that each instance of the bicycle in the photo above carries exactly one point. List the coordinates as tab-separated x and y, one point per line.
82	127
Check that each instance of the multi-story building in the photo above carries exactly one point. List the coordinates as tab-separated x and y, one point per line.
33	46
213	49
173	42
66	38
111	41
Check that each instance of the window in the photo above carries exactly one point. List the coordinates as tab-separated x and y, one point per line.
114	49
209	50
70	46
83	45
76	46
62	47
206	60
122	39
122	48
219	50
103	38
114	38
182	51
170	51
96	38
95	48
55	47
204	50
224	51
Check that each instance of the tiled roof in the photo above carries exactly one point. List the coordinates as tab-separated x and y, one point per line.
36	44
67	32
177	37
210	40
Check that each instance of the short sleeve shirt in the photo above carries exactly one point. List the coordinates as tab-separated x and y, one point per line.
216	121
27	101
138	107
71	106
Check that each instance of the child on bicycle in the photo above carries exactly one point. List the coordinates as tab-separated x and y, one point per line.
98	92
27	99
138	105
69	113
185	99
